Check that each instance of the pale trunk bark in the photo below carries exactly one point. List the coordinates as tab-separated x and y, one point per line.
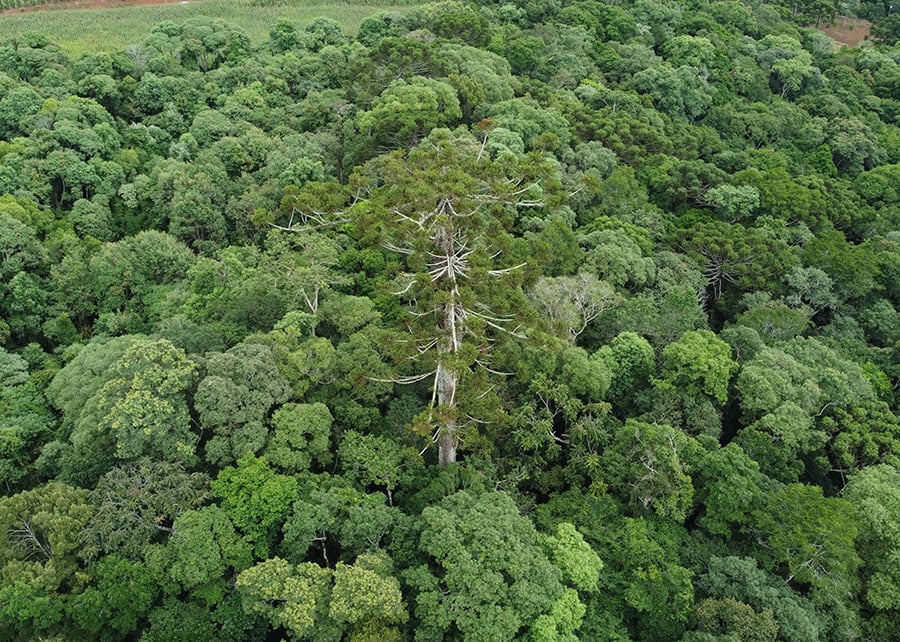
446	379
445	384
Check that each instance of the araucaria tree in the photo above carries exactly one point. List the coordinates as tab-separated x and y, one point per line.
449	211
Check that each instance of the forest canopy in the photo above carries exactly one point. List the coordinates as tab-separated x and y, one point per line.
539	320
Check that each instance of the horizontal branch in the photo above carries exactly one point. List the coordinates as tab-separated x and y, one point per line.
404	380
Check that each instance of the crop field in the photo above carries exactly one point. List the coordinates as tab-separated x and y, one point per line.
78	27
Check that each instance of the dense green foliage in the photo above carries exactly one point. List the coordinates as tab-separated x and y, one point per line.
541	320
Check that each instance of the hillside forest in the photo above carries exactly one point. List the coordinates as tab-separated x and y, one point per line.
542	320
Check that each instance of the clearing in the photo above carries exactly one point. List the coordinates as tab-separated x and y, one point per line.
98	26
848	32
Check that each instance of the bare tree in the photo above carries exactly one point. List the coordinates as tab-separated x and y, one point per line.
570	303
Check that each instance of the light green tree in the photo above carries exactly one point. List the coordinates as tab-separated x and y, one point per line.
407	110
256	498
301	435
699	362
362	601
143	406
875	494
487	575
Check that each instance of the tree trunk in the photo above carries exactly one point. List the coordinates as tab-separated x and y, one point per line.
448	440
447	443
447	379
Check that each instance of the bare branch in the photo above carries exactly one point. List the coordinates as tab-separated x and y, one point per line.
404	380
507	270
312	221
406	289
492	371
394	248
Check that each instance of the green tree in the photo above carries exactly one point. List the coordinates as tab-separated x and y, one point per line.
564	618
559	408
733	254
874	494
22	260
538	126
236	293
631	362
26	421
649	467
135	503
336	516
301	435
618	258
16	107
887	30
85	374
119	596
779	397
175	619
739	578
842	381
305	262
733	202
811	287
864	434
195	213
879	185
470	26
788	63
855	148
256	498
39	530
362	600
696	51
407	111
809	538
650	587
699	362
203	554
853	268
321	32
730	488
487	576
369	459
235	398
681	92
143	408
489	72
206	43
773	321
